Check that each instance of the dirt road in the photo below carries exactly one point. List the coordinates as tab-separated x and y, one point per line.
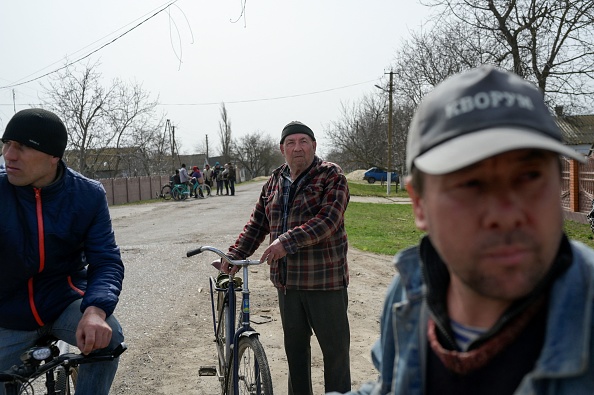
165	304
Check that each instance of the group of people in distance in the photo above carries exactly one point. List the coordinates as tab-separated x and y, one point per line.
219	176
494	299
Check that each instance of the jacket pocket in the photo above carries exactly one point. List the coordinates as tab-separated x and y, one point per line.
309	202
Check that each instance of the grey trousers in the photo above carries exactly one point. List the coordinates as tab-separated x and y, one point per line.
324	312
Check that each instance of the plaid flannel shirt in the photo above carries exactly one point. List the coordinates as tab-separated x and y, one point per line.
315	239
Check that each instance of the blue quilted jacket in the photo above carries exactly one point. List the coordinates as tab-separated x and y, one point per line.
48	236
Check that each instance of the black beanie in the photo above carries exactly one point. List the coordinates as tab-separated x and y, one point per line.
39	129
294	128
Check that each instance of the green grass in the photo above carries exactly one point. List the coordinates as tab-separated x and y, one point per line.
381	228
388	228
580	232
360	189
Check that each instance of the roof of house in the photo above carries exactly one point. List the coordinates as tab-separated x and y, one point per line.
577	129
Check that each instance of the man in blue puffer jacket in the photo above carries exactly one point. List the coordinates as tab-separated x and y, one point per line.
61	270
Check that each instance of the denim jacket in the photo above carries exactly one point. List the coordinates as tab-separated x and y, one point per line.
565	365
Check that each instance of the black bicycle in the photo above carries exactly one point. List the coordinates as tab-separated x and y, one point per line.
165	192
60	369
243	367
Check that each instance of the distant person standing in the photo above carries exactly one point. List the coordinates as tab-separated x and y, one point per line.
218	175
226	178
196	178
208	175
197	175
231	178
184	177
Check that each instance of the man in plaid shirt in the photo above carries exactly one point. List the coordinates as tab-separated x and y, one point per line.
301	208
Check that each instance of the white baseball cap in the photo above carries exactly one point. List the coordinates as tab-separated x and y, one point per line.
477	114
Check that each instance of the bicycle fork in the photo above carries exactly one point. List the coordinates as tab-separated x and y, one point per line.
244	330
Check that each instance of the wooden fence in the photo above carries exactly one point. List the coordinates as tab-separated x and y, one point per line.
133	189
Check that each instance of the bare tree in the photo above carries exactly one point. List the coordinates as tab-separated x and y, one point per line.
102	121
549	42
82	103
225	134
361	134
430	56
130	118
149	150
257	153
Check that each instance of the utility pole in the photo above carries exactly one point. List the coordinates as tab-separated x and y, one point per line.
390	93
173	146
168	133
391	89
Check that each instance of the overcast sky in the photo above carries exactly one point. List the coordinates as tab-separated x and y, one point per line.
282	61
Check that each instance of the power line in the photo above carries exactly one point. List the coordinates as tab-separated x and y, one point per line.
268	98
92	52
255	100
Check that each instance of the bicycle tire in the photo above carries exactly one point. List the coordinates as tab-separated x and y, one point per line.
73	377
251	358
203	191
221	336
176	194
66	383
62	385
166	192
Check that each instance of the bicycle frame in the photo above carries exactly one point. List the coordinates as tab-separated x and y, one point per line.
245	329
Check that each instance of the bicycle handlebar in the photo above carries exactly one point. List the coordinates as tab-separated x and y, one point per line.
31	371
235	262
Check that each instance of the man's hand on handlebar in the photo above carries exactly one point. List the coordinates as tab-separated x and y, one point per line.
224	267
92	333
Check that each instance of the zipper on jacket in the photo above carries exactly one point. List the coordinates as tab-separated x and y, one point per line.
74	287
41	241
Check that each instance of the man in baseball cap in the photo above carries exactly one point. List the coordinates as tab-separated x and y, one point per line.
478	114
54	224
495	299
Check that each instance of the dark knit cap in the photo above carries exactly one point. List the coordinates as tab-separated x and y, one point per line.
294	128
39	129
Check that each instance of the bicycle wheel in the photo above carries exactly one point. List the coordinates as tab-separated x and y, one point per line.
66	380
253	373
176	193
62	384
221	337
203	191
166	192
73	377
